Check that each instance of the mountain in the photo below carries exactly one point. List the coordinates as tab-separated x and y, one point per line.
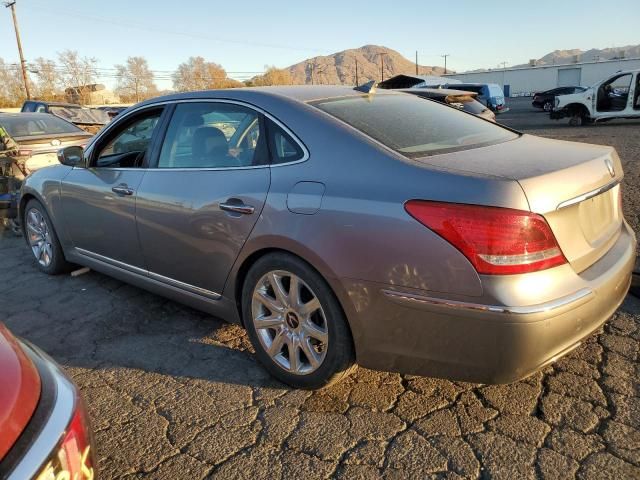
559	57
340	68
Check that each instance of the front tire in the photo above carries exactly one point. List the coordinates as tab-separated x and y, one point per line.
43	241
548	106
295	323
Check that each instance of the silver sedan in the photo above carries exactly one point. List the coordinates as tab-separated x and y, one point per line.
339	227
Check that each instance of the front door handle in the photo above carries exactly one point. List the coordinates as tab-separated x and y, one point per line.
122	189
237	208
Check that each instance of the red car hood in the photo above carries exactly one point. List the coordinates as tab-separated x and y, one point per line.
20	390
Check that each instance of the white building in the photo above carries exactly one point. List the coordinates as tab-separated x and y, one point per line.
526	80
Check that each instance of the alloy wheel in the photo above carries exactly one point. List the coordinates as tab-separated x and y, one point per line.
39	237
290	322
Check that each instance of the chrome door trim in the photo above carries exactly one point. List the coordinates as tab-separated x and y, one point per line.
111	261
185	286
583	295
155	276
588	195
305	151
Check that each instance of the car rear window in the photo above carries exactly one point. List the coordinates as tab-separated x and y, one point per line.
495	91
27	126
413	127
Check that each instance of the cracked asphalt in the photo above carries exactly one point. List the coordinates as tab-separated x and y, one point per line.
176	394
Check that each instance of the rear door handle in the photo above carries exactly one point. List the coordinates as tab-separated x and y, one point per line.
237	208
122	189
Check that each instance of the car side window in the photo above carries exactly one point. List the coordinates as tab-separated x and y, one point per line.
213	135
41	108
127	147
284	149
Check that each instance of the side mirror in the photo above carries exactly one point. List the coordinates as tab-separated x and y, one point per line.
72	156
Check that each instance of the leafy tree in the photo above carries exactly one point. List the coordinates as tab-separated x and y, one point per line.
198	74
273	76
77	73
12	92
47	84
135	80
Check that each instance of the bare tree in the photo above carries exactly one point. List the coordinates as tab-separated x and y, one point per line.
198	74
11	85
77	73
273	76
47	84
135	80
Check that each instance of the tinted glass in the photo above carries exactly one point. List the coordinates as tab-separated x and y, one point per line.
133	139
211	135
413	127
26	125
284	149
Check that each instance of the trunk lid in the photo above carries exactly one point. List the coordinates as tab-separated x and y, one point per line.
42	150
575	186
20	390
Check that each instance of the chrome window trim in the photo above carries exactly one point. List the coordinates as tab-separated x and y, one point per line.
57	423
588	195
583	294
304	158
154	276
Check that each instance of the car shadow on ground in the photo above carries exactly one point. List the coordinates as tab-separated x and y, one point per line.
93	321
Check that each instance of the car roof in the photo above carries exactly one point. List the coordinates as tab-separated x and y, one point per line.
34	115
55	104
436	91
299	93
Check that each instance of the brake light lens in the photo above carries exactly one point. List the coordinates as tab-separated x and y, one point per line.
497	241
73	458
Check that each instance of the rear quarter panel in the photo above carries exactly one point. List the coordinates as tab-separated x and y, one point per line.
361	230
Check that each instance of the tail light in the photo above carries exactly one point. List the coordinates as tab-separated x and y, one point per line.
73	458
497	241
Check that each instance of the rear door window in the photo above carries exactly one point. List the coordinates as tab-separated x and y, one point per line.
213	135
413	127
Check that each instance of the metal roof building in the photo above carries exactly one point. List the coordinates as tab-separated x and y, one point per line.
526	80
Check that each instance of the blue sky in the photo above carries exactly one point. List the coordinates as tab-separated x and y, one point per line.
244	36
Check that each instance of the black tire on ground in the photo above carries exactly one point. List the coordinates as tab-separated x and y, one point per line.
58	263
339	360
548	106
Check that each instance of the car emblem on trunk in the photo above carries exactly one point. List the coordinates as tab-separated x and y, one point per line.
55	142
609	165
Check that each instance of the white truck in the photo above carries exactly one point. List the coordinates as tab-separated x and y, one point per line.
616	97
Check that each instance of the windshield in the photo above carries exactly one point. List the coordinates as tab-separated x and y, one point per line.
25	125
495	91
413	127
81	115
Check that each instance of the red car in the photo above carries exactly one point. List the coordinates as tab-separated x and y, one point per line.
44	430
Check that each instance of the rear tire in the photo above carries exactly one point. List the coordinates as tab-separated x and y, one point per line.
42	240
295	323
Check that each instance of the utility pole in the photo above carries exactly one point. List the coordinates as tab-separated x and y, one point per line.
445	62
12	4
357	83
416	62
504	69
382	65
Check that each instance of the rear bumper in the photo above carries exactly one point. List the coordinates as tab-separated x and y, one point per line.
414	332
